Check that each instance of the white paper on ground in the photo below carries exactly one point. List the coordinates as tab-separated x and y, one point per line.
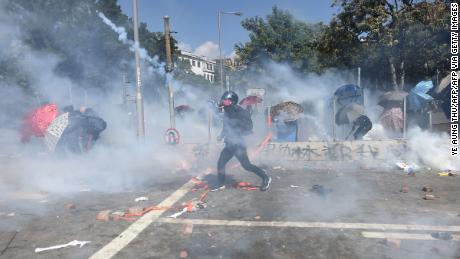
177	214
71	243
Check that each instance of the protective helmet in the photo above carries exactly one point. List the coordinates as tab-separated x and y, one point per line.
229	98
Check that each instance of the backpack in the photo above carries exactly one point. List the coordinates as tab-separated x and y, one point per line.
246	123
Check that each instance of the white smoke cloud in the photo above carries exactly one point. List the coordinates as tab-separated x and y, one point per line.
432	149
208	49
122	35
155	66
184	46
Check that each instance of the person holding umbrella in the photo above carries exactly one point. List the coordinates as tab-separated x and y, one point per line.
353	114
237	123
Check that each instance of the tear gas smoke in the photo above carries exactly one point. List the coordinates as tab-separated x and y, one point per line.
155	66
117	161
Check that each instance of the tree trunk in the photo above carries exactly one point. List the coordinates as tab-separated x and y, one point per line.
403	75
393	73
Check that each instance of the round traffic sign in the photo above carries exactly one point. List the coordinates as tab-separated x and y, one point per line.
172	136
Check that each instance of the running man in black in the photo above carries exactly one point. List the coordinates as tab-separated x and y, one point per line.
237	123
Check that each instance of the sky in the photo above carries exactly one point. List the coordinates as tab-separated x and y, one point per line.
195	21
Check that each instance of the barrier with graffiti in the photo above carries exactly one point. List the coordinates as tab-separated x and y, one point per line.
315	150
334	151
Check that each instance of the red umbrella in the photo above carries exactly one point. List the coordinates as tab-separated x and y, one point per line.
37	121
251	100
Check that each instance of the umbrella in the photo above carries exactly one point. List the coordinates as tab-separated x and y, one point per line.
442	93
55	130
37	121
392	97
443	84
349	113
392	119
251	100
418	97
183	108
287	111
349	94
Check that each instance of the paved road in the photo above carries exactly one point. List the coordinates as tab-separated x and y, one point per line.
349	216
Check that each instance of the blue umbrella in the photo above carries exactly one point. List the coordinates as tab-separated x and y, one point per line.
418	97
349	94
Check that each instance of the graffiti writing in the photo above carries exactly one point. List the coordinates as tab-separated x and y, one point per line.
336	151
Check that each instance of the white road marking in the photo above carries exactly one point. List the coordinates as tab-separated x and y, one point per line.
410	236
299	224
139	225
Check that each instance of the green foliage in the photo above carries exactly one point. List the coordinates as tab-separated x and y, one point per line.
280	38
390	40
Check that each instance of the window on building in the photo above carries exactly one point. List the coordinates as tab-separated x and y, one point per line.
193	63
199	63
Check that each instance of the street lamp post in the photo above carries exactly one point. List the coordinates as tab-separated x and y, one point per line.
219	15
139	99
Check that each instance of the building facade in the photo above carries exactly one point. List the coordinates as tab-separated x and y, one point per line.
200	65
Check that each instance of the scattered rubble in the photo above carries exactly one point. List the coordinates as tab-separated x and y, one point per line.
188	229
447	173
409	169
320	190
103	215
393	242
117	215
442	235
135	210
70	206
183	254
72	243
245	186
143	198
404	188
428	196
427	189
177	214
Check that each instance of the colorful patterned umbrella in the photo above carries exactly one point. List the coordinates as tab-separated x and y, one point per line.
286	111
37	121
392	119
55	130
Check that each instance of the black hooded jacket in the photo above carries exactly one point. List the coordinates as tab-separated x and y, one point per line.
237	123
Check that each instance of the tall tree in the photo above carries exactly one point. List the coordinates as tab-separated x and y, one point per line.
393	41
281	38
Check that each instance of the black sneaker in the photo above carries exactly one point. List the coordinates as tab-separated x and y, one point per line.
266	184
218	187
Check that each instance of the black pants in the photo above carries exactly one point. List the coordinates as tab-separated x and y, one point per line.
241	154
